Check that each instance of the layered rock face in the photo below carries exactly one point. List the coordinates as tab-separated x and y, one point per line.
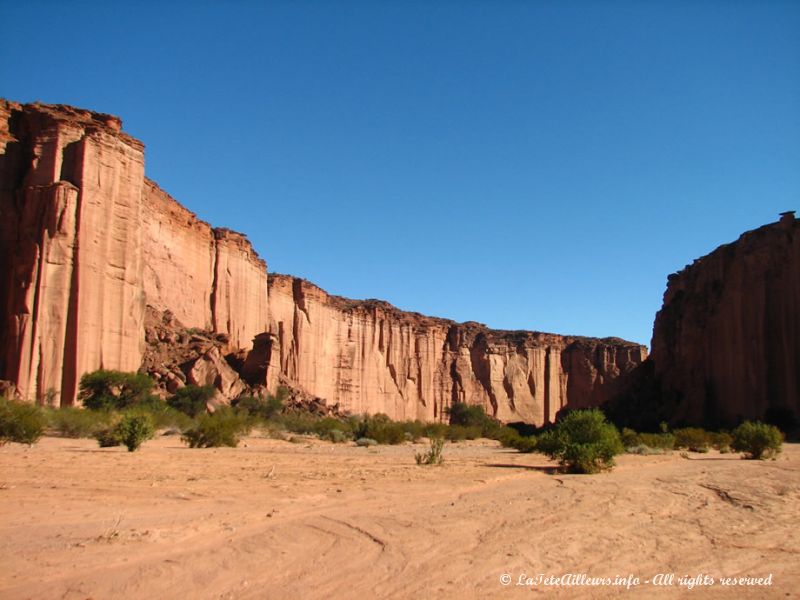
370	357
209	278
70	192
89	247
86	242
726	344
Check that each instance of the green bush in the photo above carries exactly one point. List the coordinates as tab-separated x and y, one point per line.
222	428
460	432
79	422
134	429
510	438
337	436
108	438
191	400
473	415
131	431
644	450
263	408
366	442
433	456
435	430
584	442
757	440
721	441
20	422
381	429
163	415
658	441
693	439
298	422
106	390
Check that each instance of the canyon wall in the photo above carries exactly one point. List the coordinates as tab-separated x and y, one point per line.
726	343
209	278
368	356
86	242
70	189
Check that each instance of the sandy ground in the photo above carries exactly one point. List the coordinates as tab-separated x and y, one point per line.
274	519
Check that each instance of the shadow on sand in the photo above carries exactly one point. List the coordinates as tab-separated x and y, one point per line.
549	469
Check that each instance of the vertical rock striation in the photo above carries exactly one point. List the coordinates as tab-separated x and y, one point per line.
370	357
70	189
208	278
726	341
86	242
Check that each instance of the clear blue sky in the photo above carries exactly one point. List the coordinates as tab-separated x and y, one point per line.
528	165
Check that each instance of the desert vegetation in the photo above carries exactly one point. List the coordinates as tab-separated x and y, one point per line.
121	410
757	440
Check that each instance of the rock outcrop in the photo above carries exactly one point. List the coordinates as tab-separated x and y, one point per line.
368	356
86	242
70	199
103	269
209	278
726	344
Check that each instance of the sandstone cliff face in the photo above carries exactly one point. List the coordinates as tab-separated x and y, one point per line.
208	278
86	242
371	357
70	188
725	343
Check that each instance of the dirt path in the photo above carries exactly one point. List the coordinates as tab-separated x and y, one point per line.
316	520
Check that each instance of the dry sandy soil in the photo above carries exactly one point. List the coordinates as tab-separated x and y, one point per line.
274	520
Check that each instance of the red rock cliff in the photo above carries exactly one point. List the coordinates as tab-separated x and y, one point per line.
70	190
209	278
368	356
86	242
726	344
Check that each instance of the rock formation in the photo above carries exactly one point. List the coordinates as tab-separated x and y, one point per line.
78	224
70	199
371	357
210	278
103	269
726	344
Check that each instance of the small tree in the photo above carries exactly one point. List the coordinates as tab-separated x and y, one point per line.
757	440
584	442
107	390
192	400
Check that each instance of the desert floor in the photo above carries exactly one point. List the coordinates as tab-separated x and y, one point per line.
273	519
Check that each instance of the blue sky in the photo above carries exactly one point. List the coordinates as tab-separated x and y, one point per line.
528	165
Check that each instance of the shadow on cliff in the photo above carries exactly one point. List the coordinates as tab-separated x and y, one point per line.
641	404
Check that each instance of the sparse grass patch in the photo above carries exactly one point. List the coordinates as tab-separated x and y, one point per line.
433	456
